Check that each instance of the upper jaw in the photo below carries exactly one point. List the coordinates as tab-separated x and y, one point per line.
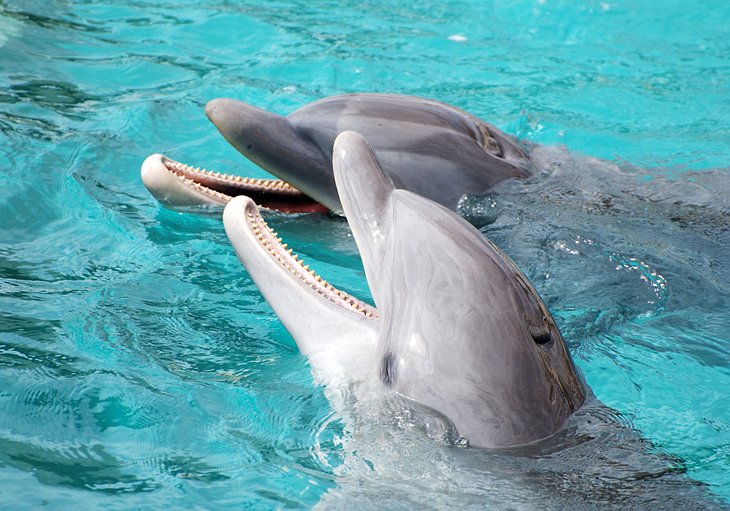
366	193
273	143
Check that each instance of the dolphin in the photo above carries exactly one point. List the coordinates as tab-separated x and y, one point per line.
458	329
428	147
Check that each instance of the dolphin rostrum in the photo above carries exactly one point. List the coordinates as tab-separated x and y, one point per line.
427	147
458	328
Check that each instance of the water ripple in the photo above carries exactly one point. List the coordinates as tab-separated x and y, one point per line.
140	366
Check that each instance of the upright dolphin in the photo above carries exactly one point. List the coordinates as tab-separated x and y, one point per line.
430	148
457	329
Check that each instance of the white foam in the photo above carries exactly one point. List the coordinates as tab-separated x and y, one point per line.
457	38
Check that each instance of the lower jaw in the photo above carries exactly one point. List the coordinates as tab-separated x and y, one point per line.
181	186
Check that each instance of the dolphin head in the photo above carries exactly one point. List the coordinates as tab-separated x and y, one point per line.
458	329
431	148
270	141
462	330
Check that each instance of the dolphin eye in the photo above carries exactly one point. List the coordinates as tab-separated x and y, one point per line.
489	142
540	335
493	146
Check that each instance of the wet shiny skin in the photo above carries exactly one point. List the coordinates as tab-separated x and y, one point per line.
427	147
140	365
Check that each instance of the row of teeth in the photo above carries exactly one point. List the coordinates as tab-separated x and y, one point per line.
265	234
203	189
291	262
181	169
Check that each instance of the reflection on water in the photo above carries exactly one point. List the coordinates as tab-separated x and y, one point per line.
596	462
139	365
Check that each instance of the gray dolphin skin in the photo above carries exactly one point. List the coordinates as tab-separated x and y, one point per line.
457	329
428	147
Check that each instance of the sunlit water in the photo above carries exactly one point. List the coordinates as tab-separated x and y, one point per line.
139	365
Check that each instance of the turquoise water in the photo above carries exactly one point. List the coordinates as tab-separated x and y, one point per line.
140	367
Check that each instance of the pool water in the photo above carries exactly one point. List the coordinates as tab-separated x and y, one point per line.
140	368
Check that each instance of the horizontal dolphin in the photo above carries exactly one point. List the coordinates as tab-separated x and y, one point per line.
458	328
427	147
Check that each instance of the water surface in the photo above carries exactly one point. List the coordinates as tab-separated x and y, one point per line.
139	365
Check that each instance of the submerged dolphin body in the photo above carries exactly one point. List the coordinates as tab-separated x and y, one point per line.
458	328
427	147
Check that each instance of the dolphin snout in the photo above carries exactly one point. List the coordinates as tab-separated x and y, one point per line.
237	120
228	113
215	107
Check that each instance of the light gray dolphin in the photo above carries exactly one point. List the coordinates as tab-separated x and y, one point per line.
430	148
457	329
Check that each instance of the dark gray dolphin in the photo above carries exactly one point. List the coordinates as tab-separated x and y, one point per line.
457	329
430	148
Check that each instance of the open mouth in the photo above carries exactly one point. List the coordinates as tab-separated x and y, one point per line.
269	241
204	186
